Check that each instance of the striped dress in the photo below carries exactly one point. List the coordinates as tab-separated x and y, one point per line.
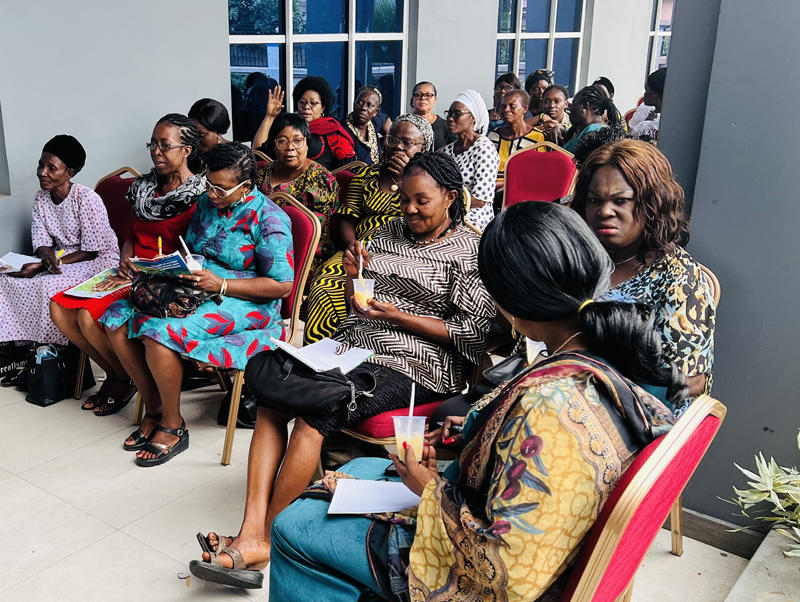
370	208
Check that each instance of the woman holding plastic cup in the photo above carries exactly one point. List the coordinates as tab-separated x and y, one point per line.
428	320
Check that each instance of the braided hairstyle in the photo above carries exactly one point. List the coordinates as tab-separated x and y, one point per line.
600	102
189	136
235	156
541	262
444	170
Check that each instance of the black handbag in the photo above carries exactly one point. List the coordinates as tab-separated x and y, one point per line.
502	372
279	381
246	416
163	297
54	378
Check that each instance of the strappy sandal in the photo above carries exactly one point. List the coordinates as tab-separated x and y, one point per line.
238	576
164	453
205	543
114	405
138	436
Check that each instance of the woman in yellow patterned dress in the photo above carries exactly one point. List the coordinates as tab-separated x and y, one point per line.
540	457
372	200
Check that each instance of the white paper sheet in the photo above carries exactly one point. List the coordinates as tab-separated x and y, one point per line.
13	262
321	356
356	496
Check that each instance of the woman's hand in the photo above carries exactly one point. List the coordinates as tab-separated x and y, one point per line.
126	268
445	434
416	475
275	102
49	260
350	259
110	282
377	310
29	270
205	280
397	165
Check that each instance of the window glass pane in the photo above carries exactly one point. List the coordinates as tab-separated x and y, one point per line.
665	24
662	51
378	64
380	16
505	16
533	56
505	50
252	17
320	16
565	62
536	16
568	15
649	66
328	60
255	69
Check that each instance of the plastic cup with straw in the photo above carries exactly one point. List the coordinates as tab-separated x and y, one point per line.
409	430
363	289
195	263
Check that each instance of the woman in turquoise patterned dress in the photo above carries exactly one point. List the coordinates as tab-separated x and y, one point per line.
247	242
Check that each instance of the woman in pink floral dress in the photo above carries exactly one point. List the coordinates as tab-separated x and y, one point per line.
67	217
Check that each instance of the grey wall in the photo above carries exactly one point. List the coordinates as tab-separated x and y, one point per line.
745	228
103	72
691	56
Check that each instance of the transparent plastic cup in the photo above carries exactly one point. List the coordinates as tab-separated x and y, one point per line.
363	289
195	263
409	429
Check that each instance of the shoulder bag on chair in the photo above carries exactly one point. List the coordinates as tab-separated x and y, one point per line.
162	297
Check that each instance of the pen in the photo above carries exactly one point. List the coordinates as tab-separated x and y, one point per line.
159	246
58	260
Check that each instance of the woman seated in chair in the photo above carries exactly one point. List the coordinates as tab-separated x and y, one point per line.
247	242
628	195
295	174
517	133
591	109
540	458
373	199
163	202
70	234
367	125
555	102
211	119
430	317
474	153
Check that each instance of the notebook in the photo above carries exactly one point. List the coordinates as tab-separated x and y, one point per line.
321	356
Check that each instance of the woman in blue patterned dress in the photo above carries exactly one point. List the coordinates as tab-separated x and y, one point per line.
247	242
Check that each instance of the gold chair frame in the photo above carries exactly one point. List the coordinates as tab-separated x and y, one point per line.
260	156
350	166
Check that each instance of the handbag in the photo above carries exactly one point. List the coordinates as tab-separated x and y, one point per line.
52	373
163	297
246	416
509	368
279	381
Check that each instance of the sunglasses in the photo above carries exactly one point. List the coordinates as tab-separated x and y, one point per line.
455	115
222	193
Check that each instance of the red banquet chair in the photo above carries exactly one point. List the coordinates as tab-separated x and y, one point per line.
638	506
261	159
531	175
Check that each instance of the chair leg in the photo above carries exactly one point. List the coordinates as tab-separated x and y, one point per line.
676	524
79	380
626	595
223	380
138	410
233	413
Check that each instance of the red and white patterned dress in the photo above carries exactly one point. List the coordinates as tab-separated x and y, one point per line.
78	223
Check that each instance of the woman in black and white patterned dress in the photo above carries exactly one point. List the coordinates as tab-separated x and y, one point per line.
475	155
429	320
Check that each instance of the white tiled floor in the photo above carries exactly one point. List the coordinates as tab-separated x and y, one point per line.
80	521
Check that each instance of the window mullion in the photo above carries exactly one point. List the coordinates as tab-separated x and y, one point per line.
404	57
577	73
289	50
515	56
551	40
351	56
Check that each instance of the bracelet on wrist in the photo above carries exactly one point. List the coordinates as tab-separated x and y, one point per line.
224	287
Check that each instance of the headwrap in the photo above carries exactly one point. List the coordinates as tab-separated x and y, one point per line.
422	125
68	149
476	105
151	208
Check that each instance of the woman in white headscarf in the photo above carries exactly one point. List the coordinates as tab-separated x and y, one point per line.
474	153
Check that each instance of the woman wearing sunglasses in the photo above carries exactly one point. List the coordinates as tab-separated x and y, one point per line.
294	173
247	242
163	202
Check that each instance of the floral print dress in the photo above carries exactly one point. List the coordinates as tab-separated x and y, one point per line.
247	240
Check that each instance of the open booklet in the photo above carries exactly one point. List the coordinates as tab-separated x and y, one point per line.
322	356
172	266
356	496
85	289
13	262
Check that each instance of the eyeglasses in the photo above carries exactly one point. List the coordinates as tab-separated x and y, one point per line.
426	96
504	89
296	143
302	103
455	115
163	146
222	193
405	144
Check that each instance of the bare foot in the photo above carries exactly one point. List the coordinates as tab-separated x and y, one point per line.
255	553
213	541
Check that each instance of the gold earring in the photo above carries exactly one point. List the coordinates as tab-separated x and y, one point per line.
513	327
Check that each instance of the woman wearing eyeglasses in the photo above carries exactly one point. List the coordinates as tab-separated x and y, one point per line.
502	86
423	101
295	174
373	199
163	202
247	242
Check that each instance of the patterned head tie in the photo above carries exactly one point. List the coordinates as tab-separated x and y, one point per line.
422	125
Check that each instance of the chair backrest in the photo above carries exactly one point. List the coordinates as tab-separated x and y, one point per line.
713	283
261	158
531	175
628	116
352	167
639	505
112	189
306	232
343	178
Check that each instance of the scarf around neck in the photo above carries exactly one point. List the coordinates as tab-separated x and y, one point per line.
147	206
371	141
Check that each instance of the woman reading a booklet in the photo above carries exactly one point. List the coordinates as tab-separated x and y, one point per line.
162	202
428	322
246	240
72	237
541	454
